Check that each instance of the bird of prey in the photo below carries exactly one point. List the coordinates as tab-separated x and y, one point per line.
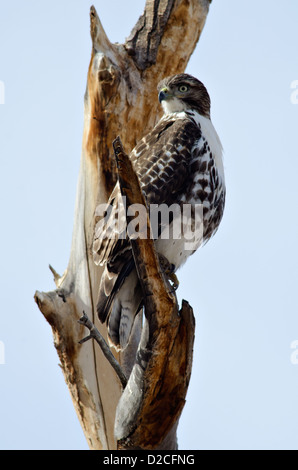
178	162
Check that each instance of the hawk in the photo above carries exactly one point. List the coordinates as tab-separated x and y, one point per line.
178	162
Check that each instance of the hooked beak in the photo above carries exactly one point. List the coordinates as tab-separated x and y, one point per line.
164	95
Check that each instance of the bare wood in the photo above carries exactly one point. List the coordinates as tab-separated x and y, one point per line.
120	100
151	404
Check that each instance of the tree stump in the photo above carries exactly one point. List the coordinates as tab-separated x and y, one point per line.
120	100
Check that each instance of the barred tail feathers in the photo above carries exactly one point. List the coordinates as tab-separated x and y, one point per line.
119	305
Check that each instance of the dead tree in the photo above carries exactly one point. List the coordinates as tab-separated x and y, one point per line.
120	99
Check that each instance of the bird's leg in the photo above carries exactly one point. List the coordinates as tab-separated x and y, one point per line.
169	268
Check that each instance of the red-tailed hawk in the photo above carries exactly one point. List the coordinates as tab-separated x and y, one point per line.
178	163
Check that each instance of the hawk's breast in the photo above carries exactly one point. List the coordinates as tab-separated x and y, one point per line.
207	184
204	192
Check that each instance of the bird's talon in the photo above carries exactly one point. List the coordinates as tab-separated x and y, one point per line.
168	269
174	279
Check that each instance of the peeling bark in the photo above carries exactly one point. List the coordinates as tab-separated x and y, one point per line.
120	99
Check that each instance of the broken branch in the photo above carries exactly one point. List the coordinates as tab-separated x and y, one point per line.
95	334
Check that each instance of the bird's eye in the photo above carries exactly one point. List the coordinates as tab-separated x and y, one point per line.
183	88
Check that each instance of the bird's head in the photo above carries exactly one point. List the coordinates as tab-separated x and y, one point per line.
183	92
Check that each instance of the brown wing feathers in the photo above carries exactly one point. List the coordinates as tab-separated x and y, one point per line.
161	161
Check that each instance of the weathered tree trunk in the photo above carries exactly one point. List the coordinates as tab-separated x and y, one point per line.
121	100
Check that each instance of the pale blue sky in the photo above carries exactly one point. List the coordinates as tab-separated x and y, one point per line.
242	285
